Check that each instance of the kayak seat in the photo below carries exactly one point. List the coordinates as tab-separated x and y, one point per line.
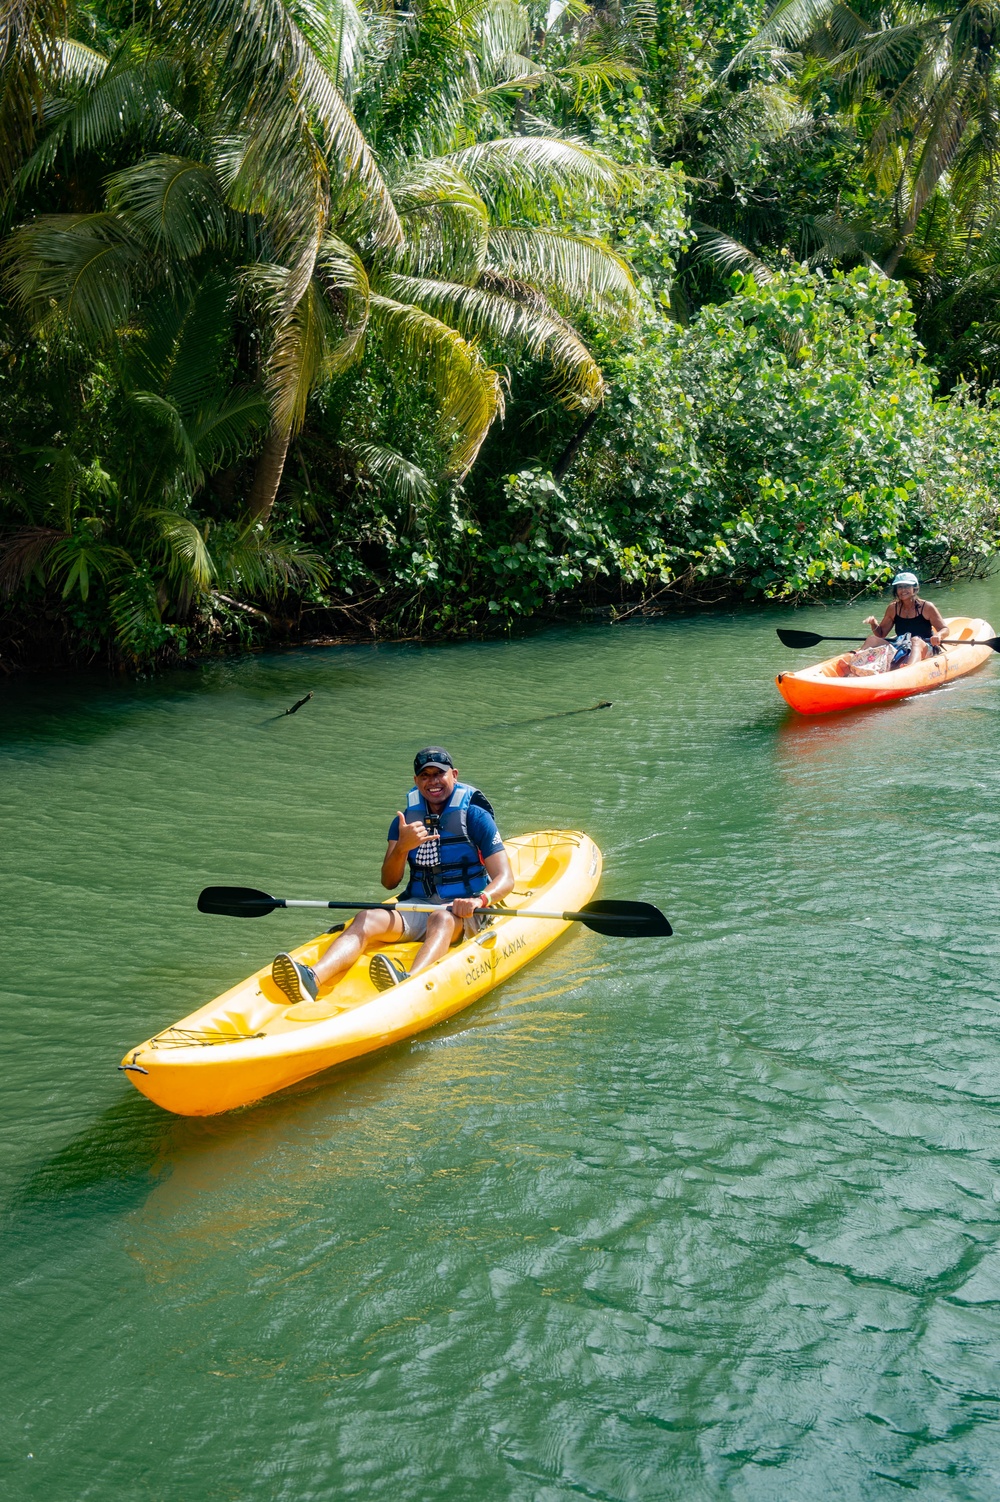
313	1011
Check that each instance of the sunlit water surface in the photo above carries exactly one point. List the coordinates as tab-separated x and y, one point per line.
708	1218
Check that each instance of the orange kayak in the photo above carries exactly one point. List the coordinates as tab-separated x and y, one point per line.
824	688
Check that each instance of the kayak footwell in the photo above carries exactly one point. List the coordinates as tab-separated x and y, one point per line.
249	1042
825	687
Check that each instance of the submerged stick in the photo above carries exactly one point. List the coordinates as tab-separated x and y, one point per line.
562	713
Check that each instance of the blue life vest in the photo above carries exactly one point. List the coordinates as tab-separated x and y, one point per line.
460	872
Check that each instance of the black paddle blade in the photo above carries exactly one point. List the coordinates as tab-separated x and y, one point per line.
799	638
623	920
237	902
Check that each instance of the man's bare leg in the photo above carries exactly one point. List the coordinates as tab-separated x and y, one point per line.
442	931
372	927
300	983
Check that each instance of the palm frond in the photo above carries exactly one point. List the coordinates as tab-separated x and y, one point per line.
881	54
337	31
23	553
514	74
481	314
183	349
728	254
787	24
592	77
502	28
395	475
78	63
29	64
135	612
129	97
759	115
165	416
341	269
468	391
445	221
187	555
264	566
515	169
82	267
75	560
834	238
304	348
220	434
273	81
173	201
576	267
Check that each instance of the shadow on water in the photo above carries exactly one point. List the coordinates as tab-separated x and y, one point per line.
116	1157
130	1147
51	709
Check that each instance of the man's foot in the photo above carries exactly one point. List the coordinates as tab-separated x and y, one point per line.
385	973
298	982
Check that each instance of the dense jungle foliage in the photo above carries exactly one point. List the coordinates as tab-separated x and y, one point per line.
327	316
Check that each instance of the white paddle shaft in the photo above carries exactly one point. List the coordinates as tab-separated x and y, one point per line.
419	907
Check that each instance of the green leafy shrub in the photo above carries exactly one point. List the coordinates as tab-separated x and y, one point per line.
790	441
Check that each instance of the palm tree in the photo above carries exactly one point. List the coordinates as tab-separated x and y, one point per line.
130	525
31	50
444	254
924	85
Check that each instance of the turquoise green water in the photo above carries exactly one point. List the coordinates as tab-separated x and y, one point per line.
717	1217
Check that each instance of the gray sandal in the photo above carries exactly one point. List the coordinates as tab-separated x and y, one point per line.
385	973
298	982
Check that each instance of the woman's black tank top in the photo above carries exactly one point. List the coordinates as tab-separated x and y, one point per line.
916	625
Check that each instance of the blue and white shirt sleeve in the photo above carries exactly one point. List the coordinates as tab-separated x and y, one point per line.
483	832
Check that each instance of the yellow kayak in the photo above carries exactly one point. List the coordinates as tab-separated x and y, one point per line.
250	1042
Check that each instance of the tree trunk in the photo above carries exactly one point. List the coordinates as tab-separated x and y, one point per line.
572	448
920	202
267	478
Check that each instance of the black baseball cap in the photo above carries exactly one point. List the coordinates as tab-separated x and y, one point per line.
432	756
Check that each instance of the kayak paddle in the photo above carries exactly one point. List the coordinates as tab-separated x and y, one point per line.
811	639
618	920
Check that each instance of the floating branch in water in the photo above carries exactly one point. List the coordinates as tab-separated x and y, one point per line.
298	706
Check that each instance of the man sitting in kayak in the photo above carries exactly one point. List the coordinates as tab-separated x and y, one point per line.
918	619
449	840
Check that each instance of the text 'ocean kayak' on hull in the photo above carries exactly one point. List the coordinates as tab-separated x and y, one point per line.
822	689
250	1042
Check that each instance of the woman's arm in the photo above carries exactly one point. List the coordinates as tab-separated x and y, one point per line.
881	628
937	621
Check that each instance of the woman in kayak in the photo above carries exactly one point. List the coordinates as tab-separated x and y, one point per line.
918	619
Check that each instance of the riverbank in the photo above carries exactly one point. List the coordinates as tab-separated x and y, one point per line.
255	631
